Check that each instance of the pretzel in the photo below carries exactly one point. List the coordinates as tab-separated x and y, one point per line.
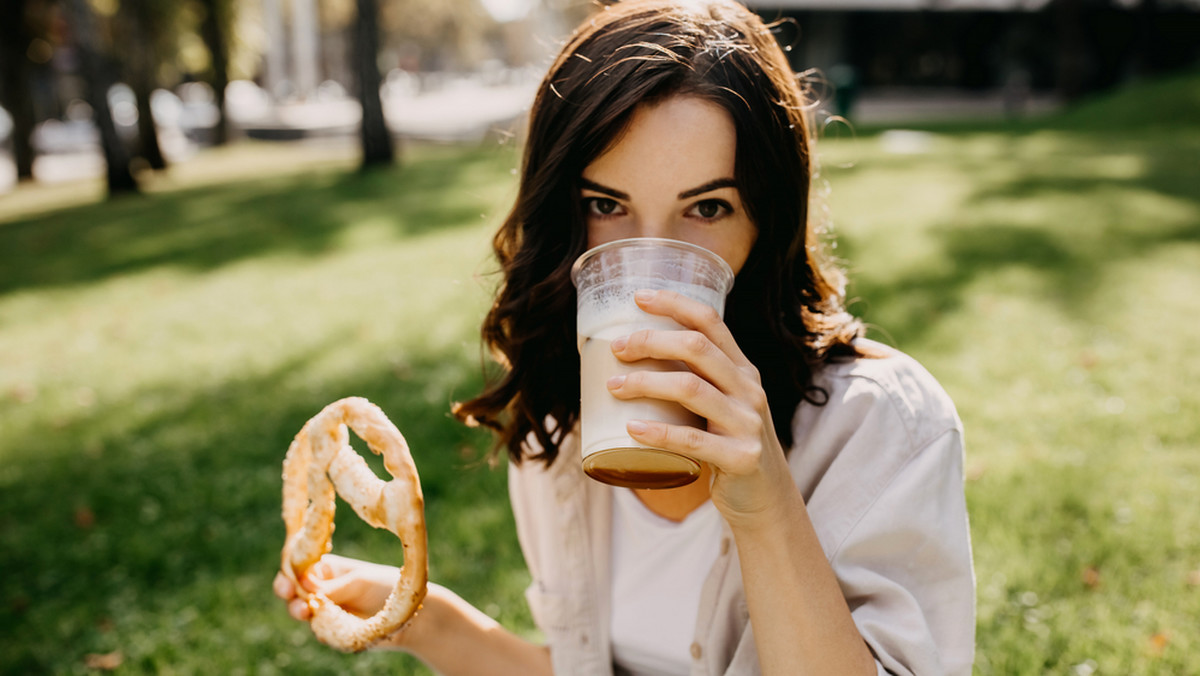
319	462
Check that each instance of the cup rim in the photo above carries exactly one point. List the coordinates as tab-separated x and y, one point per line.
655	242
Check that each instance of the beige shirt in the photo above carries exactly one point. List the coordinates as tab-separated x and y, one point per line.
880	469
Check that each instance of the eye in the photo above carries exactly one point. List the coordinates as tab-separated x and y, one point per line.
602	207
710	210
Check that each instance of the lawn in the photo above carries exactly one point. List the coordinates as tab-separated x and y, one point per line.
157	353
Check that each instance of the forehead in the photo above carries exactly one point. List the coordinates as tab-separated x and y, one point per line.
682	139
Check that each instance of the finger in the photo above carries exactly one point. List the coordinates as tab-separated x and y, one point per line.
298	609
314	578
689	391
337	564
323	569
344	590
691	314
283	587
725	453
358	586
309	584
693	348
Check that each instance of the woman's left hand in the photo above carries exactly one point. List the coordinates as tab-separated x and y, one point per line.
751	480
792	593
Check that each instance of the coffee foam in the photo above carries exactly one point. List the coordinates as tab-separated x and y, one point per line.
608	310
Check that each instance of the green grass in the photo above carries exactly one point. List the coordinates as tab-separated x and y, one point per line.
1049	276
157	354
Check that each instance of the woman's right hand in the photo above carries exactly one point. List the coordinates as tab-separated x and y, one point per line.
361	587
447	633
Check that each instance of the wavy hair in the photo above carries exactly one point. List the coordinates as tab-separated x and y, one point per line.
786	310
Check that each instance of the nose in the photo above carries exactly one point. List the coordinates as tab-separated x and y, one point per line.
655	227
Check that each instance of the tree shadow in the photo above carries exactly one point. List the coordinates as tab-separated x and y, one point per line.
1069	258
201	229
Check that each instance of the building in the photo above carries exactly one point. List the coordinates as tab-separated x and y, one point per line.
1063	48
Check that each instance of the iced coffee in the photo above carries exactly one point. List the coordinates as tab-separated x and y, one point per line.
606	278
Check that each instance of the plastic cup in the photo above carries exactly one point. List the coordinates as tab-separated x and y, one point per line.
606	278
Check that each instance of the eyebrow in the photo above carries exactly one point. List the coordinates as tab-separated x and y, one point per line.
716	184
708	187
611	192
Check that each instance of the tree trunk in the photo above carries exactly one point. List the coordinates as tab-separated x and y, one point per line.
148	145
376	139
142	62
1147	52
98	80
1073	60
213	32
14	85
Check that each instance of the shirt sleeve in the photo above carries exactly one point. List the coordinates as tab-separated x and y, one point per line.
881	469
905	567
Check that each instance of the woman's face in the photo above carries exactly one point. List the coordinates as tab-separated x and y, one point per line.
670	174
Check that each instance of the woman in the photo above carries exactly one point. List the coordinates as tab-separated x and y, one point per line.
828	533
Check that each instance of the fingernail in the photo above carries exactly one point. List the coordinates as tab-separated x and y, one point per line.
615	382
620	343
645	295
636	427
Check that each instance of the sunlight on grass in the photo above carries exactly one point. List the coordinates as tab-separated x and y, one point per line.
1048	278
158	353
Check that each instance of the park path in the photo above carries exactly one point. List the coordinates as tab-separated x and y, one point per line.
469	114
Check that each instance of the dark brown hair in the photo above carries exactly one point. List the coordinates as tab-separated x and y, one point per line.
786	309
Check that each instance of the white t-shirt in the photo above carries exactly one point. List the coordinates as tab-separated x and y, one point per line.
658	568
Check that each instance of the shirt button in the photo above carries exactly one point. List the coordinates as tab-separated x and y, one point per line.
696	652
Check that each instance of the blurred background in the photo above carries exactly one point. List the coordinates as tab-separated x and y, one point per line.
162	78
216	217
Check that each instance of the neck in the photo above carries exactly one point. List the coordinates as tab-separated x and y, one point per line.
676	503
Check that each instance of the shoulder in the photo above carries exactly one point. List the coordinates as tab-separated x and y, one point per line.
887	385
880	412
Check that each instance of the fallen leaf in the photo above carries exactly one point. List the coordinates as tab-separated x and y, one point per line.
103	661
85	518
1088	359
1158	642
1091	577
976	470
